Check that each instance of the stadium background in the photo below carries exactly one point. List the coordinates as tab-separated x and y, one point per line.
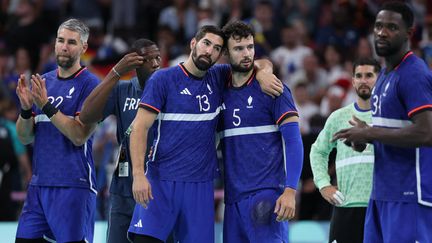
312	44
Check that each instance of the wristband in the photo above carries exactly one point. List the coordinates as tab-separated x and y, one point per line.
116	73
49	109
26	114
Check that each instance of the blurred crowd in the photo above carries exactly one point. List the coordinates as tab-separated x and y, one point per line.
311	43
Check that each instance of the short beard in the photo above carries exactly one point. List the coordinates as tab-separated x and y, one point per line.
65	64
240	69
201	65
363	96
384	52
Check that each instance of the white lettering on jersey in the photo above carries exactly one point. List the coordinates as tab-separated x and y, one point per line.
55	101
131	104
204	103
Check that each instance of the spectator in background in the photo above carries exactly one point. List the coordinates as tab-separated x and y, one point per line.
314	76
341	31
181	17
15	169
288	57
27	31
169	46
22	66
333	59
364	48
333	100
306	108
266	29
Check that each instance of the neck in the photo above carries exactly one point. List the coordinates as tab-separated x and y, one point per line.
142	78
67	72
363	104
240	78
190	67
393	60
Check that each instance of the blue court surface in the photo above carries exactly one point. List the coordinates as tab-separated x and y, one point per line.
299	232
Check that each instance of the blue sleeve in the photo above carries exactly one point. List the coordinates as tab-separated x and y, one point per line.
154	96
284	106
223	73
109	108
293	153
419	98
91	84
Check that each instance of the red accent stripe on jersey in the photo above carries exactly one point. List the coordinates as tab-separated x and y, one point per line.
285	114
80	72
403	59
418	109
151	107
251	77
184	71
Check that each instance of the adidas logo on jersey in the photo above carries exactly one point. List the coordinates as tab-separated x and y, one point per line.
185	92
139	224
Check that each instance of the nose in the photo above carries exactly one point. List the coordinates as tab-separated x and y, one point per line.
381	32
155	63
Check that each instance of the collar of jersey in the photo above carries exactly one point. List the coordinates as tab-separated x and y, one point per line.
187	73
76	74
247	83
403	59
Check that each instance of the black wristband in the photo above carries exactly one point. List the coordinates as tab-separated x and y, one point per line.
49	109
26	114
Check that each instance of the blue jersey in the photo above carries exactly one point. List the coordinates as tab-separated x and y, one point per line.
402	174
56	160
188	108
123	103
252	145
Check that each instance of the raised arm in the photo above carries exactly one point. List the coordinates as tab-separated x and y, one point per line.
25	122
416	134
141	187
269	83
72	128
92	110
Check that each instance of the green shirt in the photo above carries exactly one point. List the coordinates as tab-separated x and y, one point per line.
353	169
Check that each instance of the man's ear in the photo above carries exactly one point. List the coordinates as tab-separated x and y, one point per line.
410	32
192	43
85	46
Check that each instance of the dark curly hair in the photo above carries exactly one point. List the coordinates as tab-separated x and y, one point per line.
237	30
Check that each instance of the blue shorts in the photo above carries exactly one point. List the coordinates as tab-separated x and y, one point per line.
186	208
63	214
388	222
120	215
253	220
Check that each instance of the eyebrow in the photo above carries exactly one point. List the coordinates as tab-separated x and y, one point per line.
212	42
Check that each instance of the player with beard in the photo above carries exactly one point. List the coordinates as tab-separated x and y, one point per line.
61	198
353	169
400	209
261	146
182	104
